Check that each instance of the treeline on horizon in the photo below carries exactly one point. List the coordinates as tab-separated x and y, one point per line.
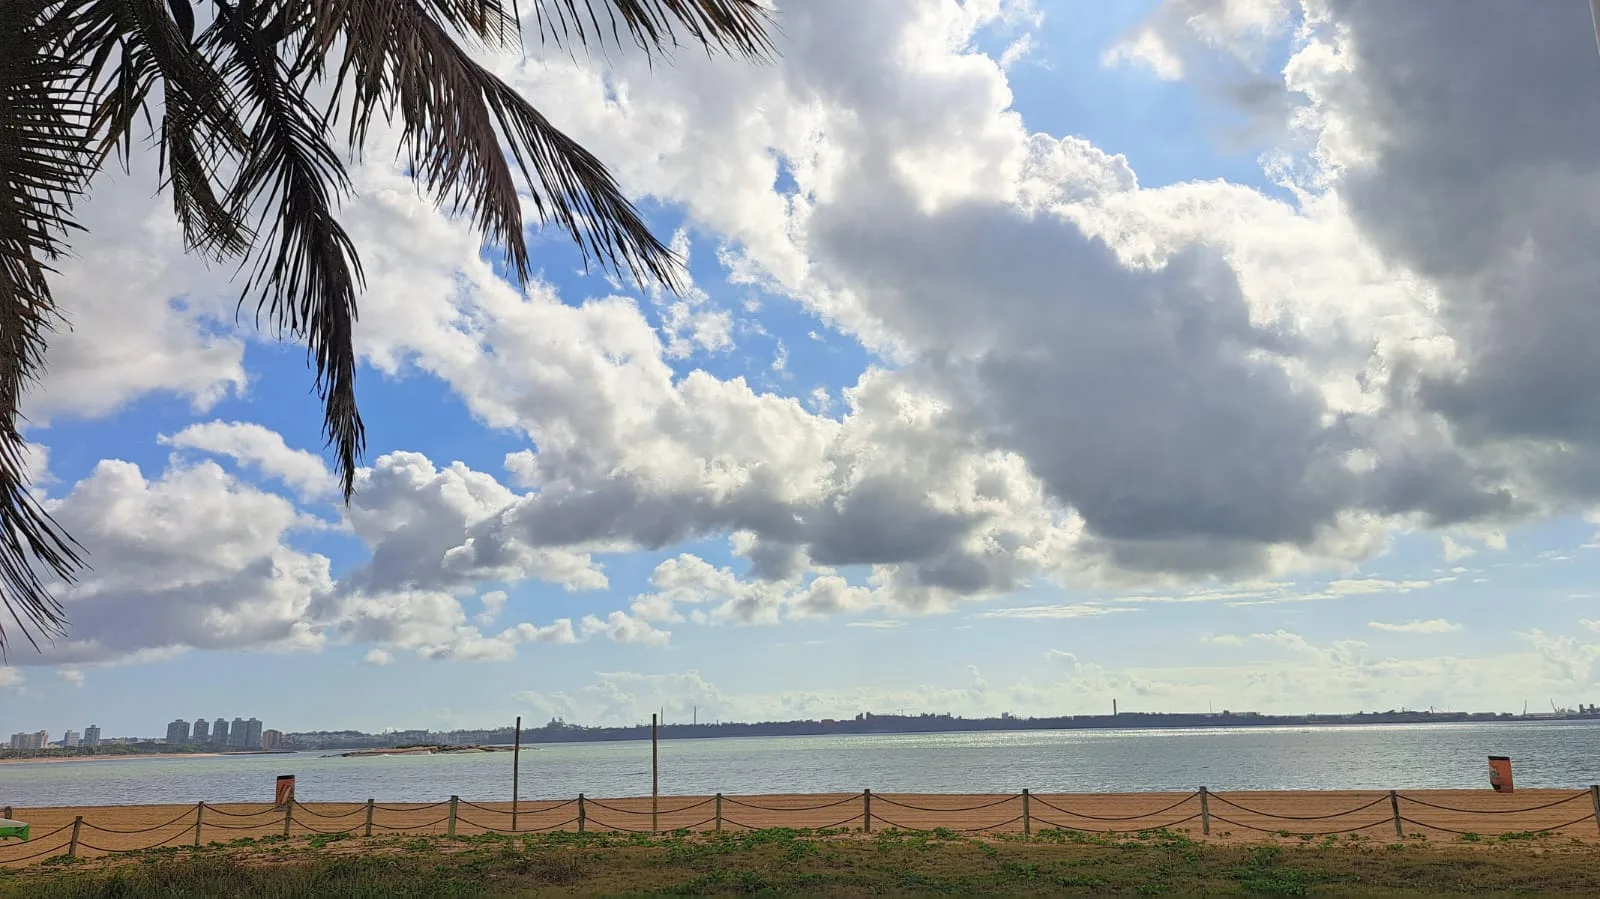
558	731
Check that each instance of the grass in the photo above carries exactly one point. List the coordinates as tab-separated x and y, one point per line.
791	862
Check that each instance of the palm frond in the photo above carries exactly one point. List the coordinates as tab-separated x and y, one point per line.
132	45
306	268
44	162
737	27
459	120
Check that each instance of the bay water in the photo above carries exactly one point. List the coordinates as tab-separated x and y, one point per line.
1545	754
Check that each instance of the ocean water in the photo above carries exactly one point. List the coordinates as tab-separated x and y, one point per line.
1545	754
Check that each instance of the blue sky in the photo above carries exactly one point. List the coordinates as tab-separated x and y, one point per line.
1038	354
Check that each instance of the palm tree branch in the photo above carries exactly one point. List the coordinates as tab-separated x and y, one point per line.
306	272
44	162
737	27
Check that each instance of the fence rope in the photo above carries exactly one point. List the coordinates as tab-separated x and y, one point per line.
601	825
227	814
1217	797
302	807
522	808
1135	830
421	807
188	815
566	823
40	854
351	829
1551	829
209	825
850	820
434	823
1151	814
665	811
979	829
1315	833
966	808
854	797
1495	811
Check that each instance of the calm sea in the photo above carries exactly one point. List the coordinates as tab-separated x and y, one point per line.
1552	754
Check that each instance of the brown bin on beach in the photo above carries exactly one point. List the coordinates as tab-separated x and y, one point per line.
285	793
1500	773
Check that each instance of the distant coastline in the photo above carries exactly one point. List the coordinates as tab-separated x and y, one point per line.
58	759
879	725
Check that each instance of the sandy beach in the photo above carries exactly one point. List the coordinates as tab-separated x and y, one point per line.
1234	816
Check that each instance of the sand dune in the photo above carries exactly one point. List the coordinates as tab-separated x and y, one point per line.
1439	814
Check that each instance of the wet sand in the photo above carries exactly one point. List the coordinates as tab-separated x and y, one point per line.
1244	816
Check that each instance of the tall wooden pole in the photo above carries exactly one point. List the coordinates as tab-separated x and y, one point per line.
655	776
516	768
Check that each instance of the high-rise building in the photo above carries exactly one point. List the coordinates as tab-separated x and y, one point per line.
178	732
236	734
70	739
91	735
219	732
252	734
36	740
271	739
202	731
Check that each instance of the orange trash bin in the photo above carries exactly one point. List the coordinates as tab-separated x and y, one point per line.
285	794
1500	773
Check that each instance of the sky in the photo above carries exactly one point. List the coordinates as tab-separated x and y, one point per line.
1196	354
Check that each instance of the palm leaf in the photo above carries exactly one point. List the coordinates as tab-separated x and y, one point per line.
44	162
306	267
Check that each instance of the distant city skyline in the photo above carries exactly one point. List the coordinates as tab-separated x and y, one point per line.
241	733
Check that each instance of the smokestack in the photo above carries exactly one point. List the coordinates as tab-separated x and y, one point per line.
1113	708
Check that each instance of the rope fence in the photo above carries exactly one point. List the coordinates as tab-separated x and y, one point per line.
1026	812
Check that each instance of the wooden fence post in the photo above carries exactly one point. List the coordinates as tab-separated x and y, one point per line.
452	825
72	847
1027	819
719	813
369	817
583	814
1394	805
288	816
1594	797
866	810
199	821
1205	811
5	812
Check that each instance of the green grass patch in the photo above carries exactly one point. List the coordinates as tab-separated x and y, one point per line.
783	862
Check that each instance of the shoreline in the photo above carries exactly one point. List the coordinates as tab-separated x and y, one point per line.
56	760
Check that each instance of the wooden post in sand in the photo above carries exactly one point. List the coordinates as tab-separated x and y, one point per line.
72	847
655	776
199	821
516	764
1394	805
369	817
6	813
1594	797
1205	811
866	810
719	813
288	817
451	827
583	815
1027	819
